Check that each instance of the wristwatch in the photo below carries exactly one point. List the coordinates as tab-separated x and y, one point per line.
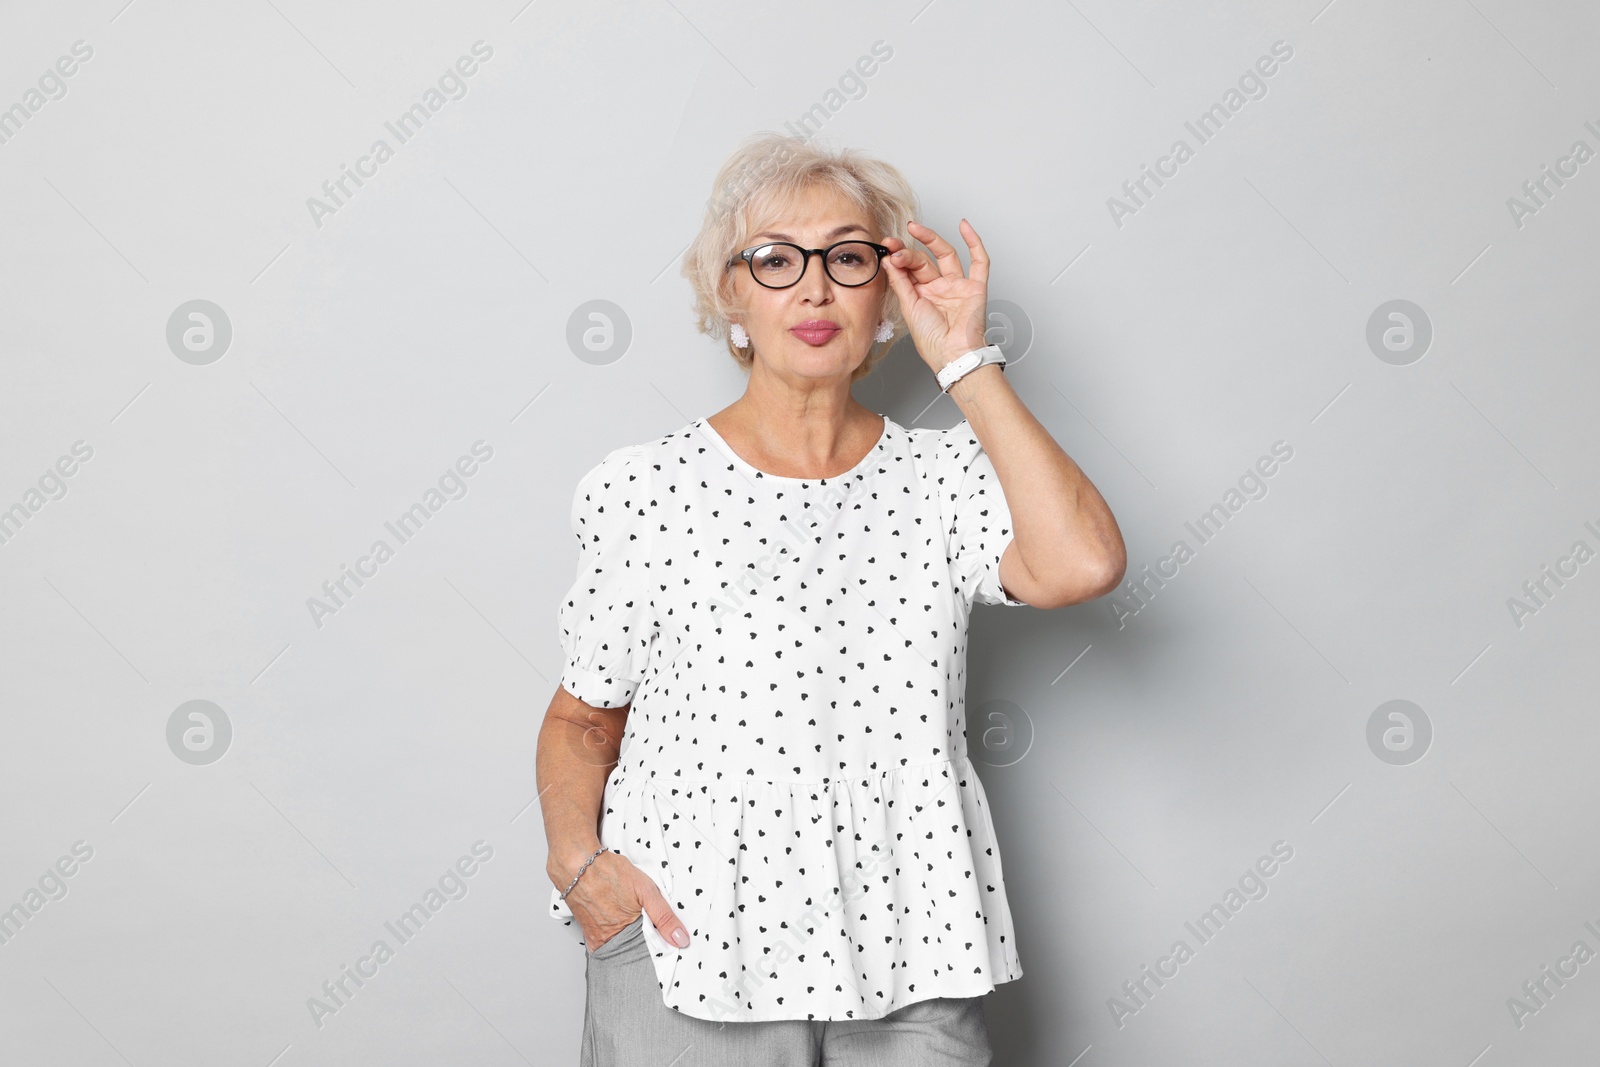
961	366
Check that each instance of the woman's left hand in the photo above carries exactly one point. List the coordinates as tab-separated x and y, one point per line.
945	310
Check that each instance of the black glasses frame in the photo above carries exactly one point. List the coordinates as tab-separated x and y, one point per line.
748	255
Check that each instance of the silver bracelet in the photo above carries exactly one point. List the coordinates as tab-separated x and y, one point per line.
585	867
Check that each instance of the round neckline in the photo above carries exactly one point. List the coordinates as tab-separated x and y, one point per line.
711	434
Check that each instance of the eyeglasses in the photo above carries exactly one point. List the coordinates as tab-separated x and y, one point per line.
781	264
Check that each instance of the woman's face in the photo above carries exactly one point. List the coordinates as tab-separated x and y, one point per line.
819	218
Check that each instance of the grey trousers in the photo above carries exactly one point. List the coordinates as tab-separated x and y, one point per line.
626	1024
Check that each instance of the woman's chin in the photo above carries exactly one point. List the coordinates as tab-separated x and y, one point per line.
826	361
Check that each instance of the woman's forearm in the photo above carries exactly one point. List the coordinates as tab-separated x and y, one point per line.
578	746
1065	535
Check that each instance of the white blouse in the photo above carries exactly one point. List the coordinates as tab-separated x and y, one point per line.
794	771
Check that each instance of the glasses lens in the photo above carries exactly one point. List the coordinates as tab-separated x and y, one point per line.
853	263
776	265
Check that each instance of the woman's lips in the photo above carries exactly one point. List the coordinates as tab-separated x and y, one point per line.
814	335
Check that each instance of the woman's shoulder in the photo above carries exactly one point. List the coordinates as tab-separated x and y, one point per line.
620	463
621	477
651	451
634	464
953	445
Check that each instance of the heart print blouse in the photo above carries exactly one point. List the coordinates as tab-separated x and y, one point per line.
794	772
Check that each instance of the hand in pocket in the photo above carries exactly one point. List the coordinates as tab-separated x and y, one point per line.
613	894
616	941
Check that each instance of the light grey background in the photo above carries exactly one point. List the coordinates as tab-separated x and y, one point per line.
1151	763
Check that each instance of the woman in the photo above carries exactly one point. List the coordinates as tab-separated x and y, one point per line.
792	861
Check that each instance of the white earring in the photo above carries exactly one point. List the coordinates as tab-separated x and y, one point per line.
885	331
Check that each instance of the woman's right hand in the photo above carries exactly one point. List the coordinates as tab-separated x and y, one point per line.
613	893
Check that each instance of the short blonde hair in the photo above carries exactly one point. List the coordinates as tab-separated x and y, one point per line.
768	170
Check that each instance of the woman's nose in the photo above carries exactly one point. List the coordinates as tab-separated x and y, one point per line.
814	284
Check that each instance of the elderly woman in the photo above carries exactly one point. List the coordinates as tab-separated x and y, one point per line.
763	822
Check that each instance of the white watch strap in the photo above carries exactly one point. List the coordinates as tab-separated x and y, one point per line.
961	366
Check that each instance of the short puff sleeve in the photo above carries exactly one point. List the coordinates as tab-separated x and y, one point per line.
606	621
982	525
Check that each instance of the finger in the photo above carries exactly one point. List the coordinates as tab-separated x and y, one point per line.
979	254
943	251
900	280
898	255
663	919
916	264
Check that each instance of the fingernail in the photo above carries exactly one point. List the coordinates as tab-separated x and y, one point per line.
680	937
